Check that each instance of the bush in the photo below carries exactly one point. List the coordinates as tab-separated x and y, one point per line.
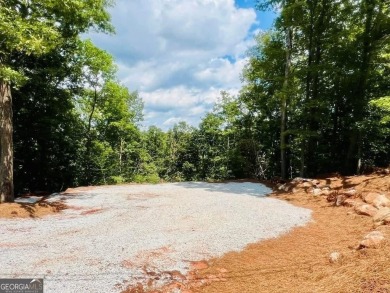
150	178
116	180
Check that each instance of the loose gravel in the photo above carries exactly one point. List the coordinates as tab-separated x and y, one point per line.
115	236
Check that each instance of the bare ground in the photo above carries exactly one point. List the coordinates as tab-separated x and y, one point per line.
30	210
295	262
299	261
113	237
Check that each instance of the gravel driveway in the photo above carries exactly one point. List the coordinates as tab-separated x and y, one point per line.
113	236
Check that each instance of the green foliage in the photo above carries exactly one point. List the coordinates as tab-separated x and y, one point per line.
116	180
9	75
151	178
340	63
39	27
76	124
384	105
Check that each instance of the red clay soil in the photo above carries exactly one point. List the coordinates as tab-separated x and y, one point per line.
29	210
42	208
299	261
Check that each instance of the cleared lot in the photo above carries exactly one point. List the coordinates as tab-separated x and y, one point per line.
114	236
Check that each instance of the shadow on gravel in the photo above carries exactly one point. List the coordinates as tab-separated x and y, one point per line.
82	196
244	188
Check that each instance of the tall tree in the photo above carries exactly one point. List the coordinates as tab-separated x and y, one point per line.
35	28
284	105
375	31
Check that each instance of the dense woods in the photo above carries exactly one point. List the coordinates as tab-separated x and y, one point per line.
315	99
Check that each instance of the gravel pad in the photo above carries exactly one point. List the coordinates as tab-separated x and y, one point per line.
114	236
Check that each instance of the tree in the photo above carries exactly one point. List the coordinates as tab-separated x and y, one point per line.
36	28
48	132
182	152
268	94
92	68
286	21
116	123
111	149
383	103
212	148
337	67
375	24
155	142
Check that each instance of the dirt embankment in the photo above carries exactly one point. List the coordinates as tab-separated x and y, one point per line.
32	205
331	254
38	209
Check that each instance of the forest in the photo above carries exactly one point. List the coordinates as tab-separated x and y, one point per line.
315	99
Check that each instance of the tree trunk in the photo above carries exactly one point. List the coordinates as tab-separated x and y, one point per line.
308	89
360	100
88	145
283	109
6	145
120	155
318	28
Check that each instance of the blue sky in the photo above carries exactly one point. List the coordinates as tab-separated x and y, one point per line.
179	54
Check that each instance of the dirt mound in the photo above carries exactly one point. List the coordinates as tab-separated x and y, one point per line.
327	255
30	210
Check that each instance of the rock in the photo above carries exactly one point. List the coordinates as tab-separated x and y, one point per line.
385	229
335	257
340	199
382	216
332	197
305	179
315	182
365	210
376	199
349	192
350	202
297	180
381	201
284	187
326	191
373	239
317	191
369	197
335	198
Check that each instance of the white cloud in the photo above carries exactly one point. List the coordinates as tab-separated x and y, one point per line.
221	72
172	121
168	106
175	53
178	98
